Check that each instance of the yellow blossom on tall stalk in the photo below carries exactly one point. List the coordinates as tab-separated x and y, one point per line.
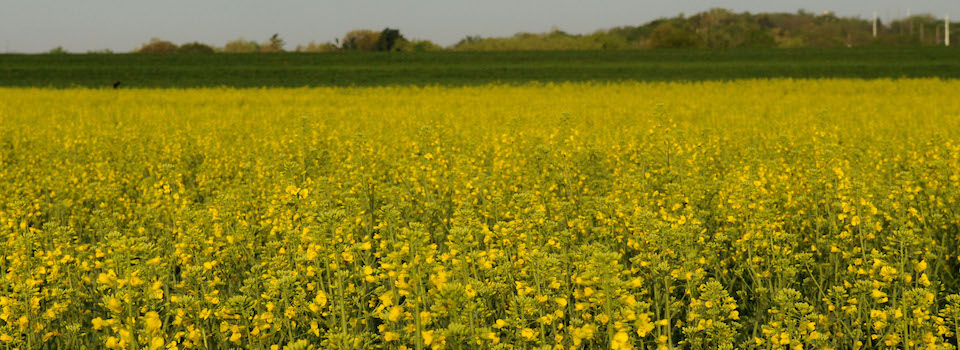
801	214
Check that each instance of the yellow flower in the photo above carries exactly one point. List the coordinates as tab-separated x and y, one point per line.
878	314
924	280
891	339
427	337
572	224
136	281
98	323
292	190
395	313
112	343
644	326
888	273
23	322
157	290
156	343
784	338
621	340
585	332
153	322
114	305
390	336
321	298
528	334
104	279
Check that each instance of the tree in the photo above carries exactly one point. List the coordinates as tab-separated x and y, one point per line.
195	47
241	45
418	46
158	46
469	39
317	47
58	51
388	40
360	40
274	44
673	34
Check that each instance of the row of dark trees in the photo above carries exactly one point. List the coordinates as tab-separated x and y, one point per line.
720	28
388	39
716	28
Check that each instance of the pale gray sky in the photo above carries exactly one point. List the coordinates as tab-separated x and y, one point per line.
122	25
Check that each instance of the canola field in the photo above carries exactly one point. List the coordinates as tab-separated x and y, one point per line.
755	214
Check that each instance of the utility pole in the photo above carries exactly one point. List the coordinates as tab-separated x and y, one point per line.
874	24
946	31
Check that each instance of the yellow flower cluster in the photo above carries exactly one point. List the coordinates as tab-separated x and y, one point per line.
714	215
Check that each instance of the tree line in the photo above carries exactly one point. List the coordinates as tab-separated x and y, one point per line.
357	40
715	28
720	28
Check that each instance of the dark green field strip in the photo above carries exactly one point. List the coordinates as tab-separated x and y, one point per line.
469	68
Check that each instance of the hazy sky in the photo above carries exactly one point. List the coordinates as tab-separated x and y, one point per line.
122	25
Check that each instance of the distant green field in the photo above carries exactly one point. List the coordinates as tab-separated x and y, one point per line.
469	68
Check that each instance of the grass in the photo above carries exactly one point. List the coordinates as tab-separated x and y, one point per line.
470	68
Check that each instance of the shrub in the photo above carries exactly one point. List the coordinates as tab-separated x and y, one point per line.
360	40
195	47
418	46
315	47
241	45
158	46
